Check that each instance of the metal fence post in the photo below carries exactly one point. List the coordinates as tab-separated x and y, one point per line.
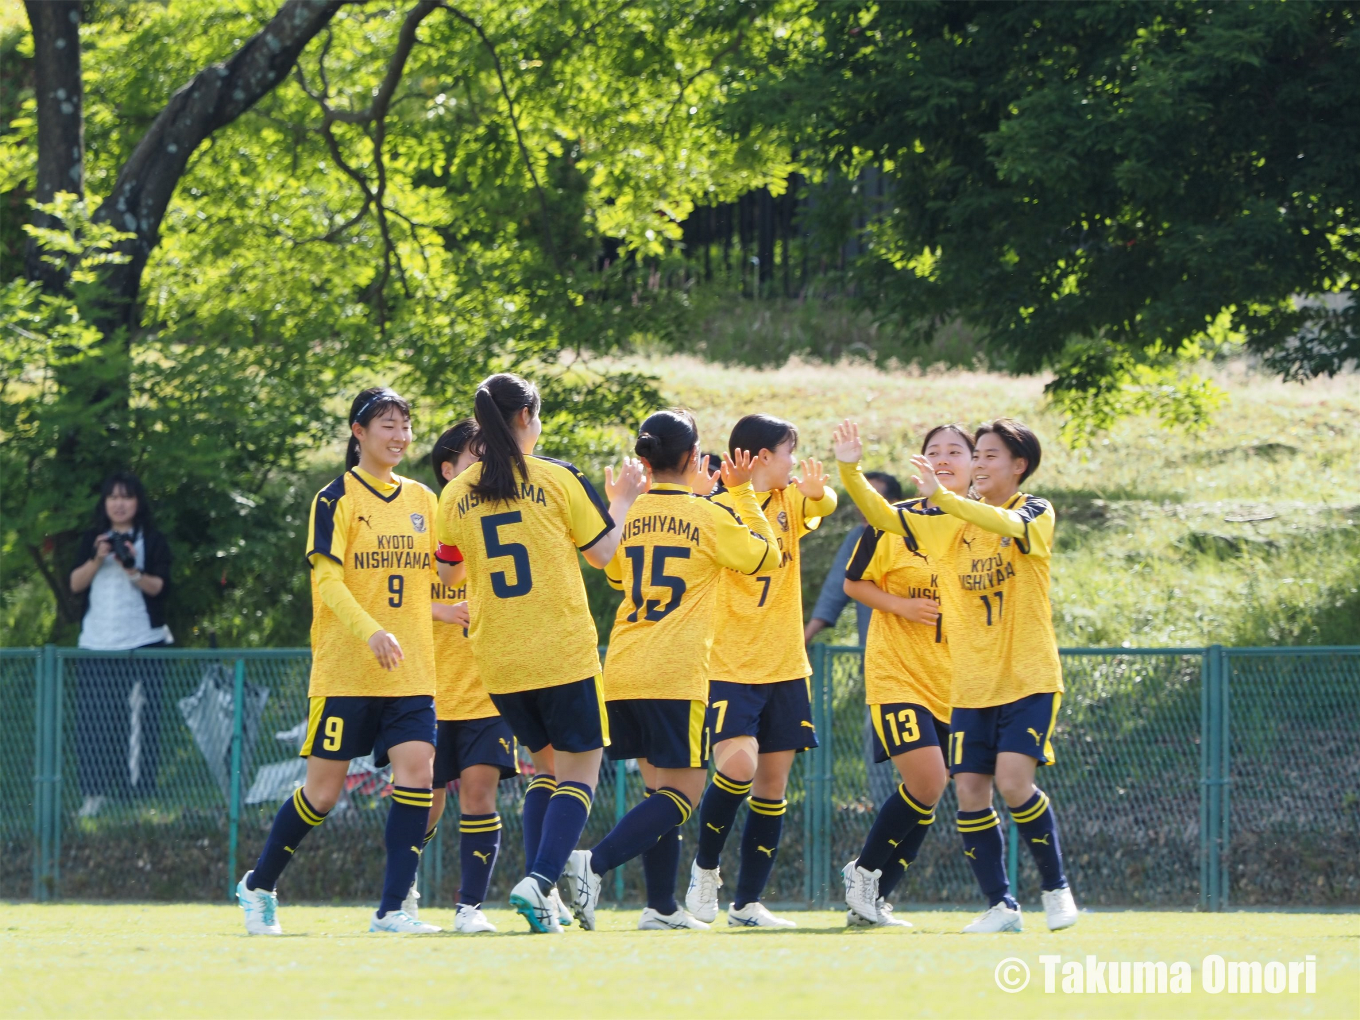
1224	775
238	697
1213	778
55	769
1013	856
620	809
42	735
811	780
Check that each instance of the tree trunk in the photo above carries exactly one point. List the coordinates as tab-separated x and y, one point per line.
61	118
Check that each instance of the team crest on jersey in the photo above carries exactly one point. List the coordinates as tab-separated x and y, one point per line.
1005	541
783	519
418	522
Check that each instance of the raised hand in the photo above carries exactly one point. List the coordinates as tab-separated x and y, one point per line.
388	650
737	469
845	442
926	482
813	482
630	484
703	481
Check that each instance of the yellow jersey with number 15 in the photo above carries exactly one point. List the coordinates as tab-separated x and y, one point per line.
903	661
459	693
675	549
531	624
383	537
760	632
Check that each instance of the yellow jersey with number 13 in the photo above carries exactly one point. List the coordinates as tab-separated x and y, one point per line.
383	537
760	616
531	624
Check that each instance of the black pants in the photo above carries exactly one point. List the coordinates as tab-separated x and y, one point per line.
118	710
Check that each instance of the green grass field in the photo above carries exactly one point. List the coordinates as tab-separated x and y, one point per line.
193	961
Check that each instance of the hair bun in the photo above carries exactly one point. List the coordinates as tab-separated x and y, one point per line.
646	444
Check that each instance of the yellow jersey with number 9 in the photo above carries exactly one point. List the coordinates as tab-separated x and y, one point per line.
760	617
385	543
531	624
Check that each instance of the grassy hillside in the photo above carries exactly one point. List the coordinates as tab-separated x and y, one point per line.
1244	534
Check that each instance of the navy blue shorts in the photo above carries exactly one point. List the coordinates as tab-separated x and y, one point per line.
341	728
1024	727
571	716
668	733
905	726
778	715
464	742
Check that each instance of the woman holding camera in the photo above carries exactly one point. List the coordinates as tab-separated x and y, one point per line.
122	573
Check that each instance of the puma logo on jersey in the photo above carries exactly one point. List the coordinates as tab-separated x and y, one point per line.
325	499
919	555
1042	839
968	542
767	851
364	520
1038	737
504	743
715	828
968	852
483	857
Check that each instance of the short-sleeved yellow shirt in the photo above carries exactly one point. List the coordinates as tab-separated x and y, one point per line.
531	624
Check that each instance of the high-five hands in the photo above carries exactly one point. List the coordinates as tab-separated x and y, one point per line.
845	442
926	482
703	480
813	482
737	469
629	485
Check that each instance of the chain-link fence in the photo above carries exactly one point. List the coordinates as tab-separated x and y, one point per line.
156	774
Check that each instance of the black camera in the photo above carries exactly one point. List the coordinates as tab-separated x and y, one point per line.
122	549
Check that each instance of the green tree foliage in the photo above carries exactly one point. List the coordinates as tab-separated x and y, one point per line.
432	193
1110	191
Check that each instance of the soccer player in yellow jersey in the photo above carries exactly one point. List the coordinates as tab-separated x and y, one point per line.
512	525
994	558
906	684
475	746
759	713
677	546
371	547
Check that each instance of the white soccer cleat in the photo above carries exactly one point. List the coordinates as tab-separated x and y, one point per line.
535	906
885	918
471	921
754	915
563	914
1060	908
583	887
411	905
261	907
701	899
399	922
998	918
655	920
861	891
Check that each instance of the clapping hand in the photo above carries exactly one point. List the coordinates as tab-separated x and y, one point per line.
926	482
846	443
737	469
813	482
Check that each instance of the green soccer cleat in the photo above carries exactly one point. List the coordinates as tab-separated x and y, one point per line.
261	907
536	907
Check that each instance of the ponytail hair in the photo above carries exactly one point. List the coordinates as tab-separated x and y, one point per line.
449	446
499	398
368	405
758	432
666	439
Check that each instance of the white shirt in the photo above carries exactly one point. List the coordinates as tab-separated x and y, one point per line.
117	618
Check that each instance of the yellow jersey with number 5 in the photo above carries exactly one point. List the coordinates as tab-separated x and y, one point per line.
904	661
759	639
385	543
531	624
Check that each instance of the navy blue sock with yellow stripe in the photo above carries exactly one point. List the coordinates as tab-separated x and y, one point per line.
563	822
479	841
981	832
295	819
759	846
407	819
536	797
660	869
904	855
1039	830
640	828
717	811
901	818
